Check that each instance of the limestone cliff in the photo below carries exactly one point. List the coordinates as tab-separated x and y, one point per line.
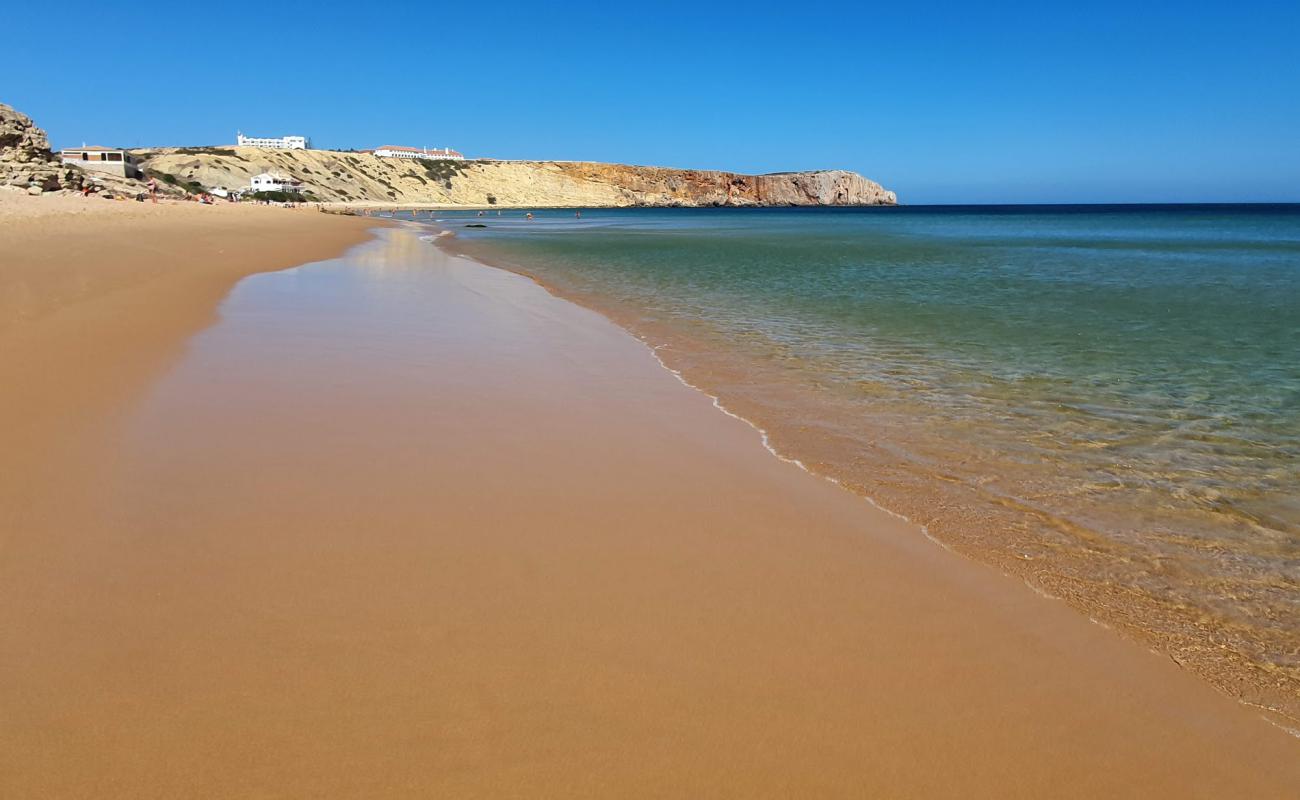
26	162
335	176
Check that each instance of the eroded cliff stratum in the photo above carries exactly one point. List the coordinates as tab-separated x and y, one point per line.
335	176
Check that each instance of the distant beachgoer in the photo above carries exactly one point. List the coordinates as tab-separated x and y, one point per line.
480	213
153	189
529	215
577	214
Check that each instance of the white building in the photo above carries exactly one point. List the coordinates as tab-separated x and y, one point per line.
274	182
102	159
278	143
394	151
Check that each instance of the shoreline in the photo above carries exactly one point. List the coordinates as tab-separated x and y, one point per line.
1229	673
333	550
92	306
353	206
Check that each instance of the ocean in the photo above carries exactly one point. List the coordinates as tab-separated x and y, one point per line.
1103	400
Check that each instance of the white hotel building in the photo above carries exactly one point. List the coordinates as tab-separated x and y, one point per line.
394	151
277	143
274	182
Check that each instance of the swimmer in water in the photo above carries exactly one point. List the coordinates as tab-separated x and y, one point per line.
529	215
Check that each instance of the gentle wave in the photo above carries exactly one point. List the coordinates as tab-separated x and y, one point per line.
1116	420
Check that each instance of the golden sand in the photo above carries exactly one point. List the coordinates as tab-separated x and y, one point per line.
408	526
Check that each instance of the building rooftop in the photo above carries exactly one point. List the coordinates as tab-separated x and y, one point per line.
431	152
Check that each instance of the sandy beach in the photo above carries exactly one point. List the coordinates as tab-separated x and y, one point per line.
399	524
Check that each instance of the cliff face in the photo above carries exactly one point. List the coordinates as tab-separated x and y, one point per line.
26	163
363	178
666	187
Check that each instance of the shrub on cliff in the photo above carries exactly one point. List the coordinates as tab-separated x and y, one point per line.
276	197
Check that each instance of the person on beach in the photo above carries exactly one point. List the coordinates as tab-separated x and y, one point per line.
528	216
153	189
577	214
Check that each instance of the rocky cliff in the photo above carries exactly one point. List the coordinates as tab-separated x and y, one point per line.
26	163
333	176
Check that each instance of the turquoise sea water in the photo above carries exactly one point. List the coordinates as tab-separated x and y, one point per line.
1110	395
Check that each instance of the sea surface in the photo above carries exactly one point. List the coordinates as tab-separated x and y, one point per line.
1104	400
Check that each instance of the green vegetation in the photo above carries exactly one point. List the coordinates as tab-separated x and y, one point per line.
207	151
442	169
276	197
193	187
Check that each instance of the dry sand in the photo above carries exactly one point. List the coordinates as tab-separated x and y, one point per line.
407	526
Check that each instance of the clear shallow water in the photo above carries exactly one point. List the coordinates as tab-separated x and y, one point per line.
1106	399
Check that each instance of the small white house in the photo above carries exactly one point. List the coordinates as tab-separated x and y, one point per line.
395	151
102	159
274	143
273	182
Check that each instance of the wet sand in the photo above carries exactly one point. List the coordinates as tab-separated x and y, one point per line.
95	296
402	525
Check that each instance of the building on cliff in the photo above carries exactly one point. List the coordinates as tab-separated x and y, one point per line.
273	182
274	143
102	159
396	151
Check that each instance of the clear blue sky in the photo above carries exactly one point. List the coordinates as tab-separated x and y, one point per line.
943	102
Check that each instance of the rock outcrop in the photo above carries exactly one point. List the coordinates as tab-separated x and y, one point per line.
336	176
26	163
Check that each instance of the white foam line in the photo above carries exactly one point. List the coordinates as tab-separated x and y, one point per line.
767	444
925	530
762	432
766	440
1287	728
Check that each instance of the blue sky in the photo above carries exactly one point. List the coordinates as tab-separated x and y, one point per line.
943	102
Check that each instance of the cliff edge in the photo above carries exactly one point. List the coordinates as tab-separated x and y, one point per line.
348	177
26	162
